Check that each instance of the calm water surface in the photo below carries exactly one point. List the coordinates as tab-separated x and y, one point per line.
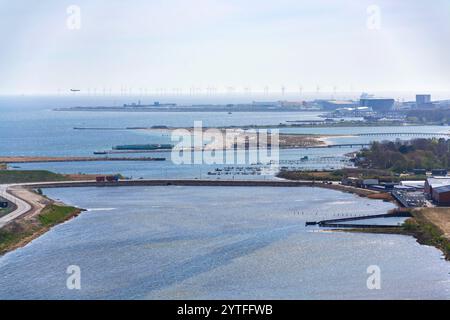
28	126
218	243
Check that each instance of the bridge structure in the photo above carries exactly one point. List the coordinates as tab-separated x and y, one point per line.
369	134
380	134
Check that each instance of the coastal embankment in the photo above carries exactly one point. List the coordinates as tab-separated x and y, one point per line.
41	215
205	182
430	226
32	159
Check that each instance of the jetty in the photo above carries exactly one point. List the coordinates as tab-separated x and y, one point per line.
32	159
341	223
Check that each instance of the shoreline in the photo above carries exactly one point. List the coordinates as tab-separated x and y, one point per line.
429	226
27	227
419	227
45	213
27	238
36	159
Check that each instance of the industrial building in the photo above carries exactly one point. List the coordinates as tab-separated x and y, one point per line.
413	185
435	182
377	104
423	101
441	195
438	190
336	104
439	172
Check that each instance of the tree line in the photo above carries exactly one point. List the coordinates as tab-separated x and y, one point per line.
401	156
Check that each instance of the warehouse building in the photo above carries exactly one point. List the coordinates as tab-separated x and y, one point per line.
416	185
434	183
336	104
441	195
377	104
439	172
423	101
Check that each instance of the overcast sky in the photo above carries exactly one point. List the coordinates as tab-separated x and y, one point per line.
200	43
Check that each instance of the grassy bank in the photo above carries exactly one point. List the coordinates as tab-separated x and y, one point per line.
5	211
18	233
24	176
338	175
430	226
21	176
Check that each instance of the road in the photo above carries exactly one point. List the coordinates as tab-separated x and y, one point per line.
22	206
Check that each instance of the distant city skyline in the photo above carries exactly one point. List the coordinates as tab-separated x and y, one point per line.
308	46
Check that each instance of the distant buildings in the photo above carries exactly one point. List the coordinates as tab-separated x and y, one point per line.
414	184
359	183
413	193
266	104
423	98
155	104
442	104
434	182
377	104
423	101
336	104
438	190
441	195
279	104
439	172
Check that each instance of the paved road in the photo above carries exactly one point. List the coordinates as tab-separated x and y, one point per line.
22	206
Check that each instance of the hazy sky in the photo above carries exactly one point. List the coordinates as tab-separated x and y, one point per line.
221	43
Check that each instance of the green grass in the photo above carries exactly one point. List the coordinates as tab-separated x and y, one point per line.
5	211
428	234
22	231
21	176
54	214
16	232
337	175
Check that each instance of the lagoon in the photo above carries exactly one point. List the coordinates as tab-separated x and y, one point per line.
178	242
